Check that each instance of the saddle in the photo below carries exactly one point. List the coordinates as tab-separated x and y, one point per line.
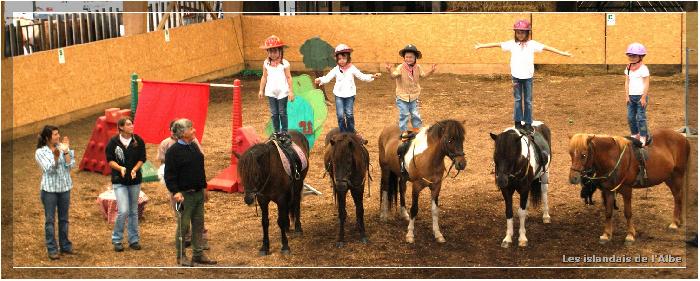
293	158
640	152
406	140
542	149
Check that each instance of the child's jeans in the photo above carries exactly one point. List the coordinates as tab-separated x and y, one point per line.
522	89
637	116
278	109
406	109
343	110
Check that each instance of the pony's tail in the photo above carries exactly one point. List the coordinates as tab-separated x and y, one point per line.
393	189
536	193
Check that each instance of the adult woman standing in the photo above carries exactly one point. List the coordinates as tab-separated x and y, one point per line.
126	152
55	159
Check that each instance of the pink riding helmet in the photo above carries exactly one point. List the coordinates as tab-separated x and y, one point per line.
521	25
636	49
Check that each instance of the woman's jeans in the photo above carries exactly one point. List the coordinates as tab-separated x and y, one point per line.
128	205
53	201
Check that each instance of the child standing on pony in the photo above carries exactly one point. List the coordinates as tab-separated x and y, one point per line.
344	89
522	69
407	76
637	91
276	83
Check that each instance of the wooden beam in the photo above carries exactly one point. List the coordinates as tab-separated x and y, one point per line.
161	24
209	9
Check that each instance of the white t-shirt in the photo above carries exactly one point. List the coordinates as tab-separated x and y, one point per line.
636	84
522	57
345	81
276	86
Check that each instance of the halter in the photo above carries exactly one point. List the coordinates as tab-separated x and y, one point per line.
331	165
450	154
591	170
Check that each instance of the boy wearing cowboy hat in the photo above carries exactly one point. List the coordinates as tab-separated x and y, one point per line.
407	76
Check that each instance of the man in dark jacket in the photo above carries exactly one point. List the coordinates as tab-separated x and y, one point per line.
185	177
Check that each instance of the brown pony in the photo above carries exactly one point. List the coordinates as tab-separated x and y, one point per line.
425	166
347	162
264	178
612	162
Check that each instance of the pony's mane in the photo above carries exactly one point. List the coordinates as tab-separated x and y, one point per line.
579	142
450	127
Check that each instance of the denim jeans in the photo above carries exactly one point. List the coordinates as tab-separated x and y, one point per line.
128	205
522	89
343	110
406	109
53	201
278	109
637	116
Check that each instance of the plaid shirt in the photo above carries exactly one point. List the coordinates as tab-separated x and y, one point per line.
56	176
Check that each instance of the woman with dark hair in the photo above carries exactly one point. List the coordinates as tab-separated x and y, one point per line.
126	152
55	159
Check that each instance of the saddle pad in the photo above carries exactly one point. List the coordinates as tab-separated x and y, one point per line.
418	145
285	161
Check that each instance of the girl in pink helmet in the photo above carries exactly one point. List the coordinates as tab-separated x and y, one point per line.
344	89
637	91
522	68
276	83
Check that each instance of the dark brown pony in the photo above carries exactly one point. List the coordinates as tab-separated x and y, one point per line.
264	178
425	168
347	162
612	162
517	169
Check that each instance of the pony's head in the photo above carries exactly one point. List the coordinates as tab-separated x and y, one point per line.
510	165
450	133
254	170
345	158
582	149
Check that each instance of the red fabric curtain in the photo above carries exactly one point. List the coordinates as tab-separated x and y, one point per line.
161	102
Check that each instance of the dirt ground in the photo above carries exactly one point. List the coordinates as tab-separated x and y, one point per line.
471	217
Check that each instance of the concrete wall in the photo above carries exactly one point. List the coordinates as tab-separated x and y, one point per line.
98	73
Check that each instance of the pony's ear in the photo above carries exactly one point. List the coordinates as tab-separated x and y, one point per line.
332	141
589	139
570	136
464	122
493	136
238	156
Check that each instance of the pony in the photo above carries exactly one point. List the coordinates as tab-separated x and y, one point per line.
346	160
612	162
425	167
517	169
262	174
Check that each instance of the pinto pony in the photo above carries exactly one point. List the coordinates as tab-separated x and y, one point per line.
425	166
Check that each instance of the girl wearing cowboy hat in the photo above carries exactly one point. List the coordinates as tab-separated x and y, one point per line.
407	76
522	68
637	91
276	83
344	89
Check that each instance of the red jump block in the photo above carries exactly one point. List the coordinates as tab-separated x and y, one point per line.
94	158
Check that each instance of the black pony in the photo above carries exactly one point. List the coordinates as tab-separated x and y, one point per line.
519	167
265	179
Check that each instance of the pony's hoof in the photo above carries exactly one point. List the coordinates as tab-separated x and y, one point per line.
440	239
364	240
629	240
405	216
263	253
286	252
410	239
505	244
522	243
546	220
604	239
383	218
339	245
673	226
298	233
